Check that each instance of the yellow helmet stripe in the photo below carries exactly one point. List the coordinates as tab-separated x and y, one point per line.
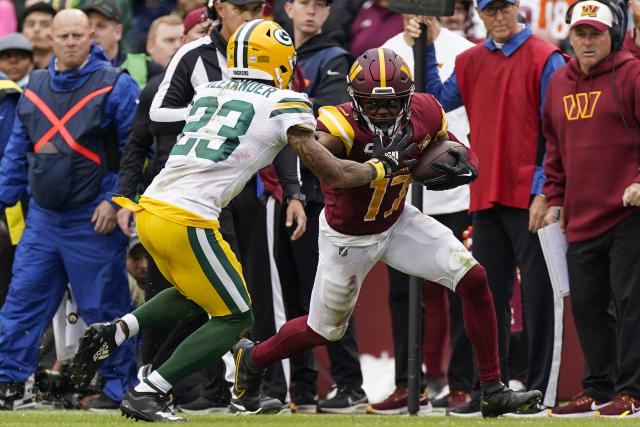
337	125
354	71
240	59
383	75
292	104
406	70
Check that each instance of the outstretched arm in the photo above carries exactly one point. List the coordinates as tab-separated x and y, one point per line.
328	168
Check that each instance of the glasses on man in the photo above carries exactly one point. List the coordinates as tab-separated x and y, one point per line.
493	10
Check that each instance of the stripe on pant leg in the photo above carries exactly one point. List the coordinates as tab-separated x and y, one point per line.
212	269
551	392
279	314
235	284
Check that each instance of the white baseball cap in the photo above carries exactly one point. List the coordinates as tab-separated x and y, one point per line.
592	13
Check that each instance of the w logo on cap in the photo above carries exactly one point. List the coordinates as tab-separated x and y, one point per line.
590	10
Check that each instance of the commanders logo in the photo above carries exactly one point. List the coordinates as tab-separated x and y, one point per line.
581	105
590	10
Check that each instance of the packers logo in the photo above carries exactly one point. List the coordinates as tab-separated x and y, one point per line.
590	10
282	36
581	105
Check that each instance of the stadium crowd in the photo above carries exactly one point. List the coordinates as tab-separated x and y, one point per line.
97	95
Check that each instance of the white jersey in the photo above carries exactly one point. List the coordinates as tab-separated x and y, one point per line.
233	130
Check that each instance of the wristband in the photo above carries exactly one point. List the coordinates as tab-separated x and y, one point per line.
379	169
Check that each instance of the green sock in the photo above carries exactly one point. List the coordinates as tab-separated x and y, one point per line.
167	307
205	345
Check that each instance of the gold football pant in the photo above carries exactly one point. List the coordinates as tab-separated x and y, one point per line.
198	263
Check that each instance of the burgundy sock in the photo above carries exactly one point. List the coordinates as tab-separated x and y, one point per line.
480	322
293	338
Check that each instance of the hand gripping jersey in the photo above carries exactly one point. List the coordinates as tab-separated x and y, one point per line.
233	129
373	208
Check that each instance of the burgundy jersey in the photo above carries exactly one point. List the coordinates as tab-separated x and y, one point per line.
373	208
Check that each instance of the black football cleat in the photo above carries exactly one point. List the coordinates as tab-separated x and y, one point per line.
248	377
98	343
503	400
148	407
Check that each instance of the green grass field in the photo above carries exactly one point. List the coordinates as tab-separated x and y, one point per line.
82	418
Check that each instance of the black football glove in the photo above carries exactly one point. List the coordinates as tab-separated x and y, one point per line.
462	173
394	156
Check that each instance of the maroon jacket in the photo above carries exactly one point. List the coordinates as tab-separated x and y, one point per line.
629	44
591	158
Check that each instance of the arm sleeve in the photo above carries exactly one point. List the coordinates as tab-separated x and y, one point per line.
119	110
137	147
7	112
169	106
288	171
13	166
555	61
553	187
447	93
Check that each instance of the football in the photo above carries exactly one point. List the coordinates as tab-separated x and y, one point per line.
437	151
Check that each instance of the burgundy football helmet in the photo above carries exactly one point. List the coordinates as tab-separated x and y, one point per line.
380	87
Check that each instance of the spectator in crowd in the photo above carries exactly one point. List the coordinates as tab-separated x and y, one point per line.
336	26
461	22
16	58
144	13
325	66
36	26
591	118
448	207
506	200
197	24
105	17
164	38
71	234
632	39
8	19
136	269
374	24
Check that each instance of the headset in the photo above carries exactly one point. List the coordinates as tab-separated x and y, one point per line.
619	26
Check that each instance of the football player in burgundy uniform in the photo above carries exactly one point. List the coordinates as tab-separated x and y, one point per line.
366	224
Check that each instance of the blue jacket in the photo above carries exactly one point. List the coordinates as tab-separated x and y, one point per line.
8	100
117	113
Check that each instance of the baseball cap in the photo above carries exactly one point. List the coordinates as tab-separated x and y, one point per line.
195	17
242	2
36	7
483	3
592	13
15	41
134	241
108	8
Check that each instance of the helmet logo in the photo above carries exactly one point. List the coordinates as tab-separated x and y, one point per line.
282	36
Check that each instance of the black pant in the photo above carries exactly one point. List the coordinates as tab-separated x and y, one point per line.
502	241
601	270
462	368
297	264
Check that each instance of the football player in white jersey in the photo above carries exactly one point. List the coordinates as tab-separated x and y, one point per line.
234	129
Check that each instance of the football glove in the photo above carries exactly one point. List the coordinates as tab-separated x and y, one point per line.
462	173
394	156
